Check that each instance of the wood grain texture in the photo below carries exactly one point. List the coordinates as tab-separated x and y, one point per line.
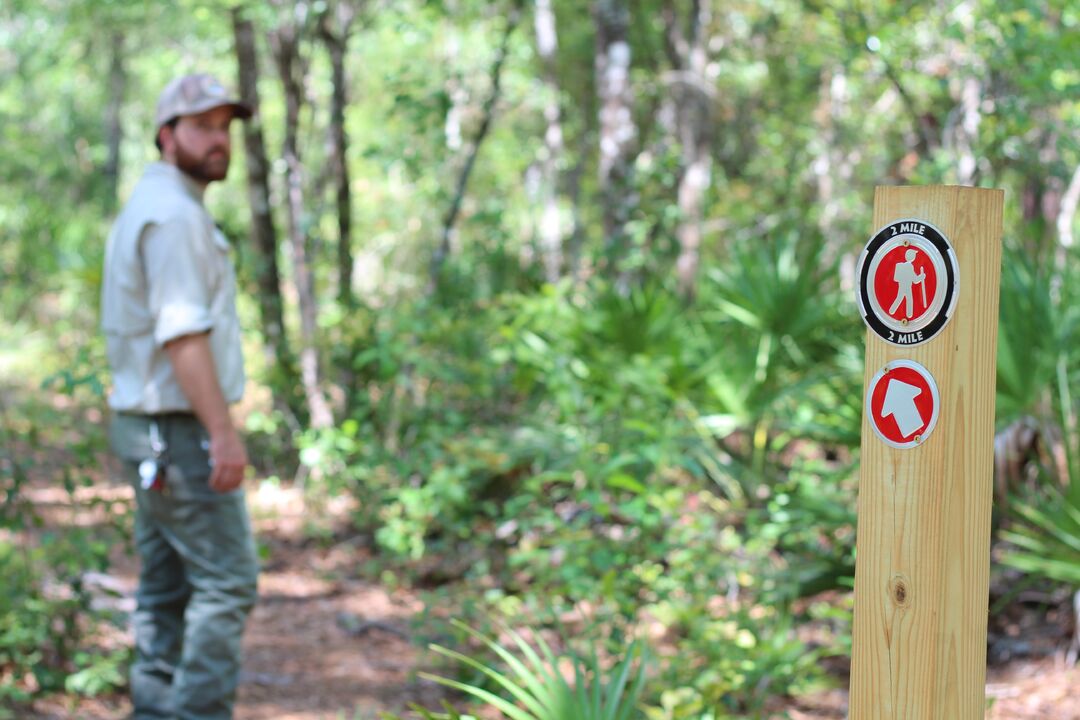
923	549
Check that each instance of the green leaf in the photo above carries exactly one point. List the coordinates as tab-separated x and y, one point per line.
622	481
495	701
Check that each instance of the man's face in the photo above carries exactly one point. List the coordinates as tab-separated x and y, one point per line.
200	145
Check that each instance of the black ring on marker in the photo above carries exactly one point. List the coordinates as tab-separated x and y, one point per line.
938	241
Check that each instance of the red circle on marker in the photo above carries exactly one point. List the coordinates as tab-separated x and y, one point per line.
903	404
905	283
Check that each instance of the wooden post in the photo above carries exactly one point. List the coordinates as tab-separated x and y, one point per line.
923	550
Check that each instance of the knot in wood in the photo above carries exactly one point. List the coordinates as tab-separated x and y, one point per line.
900	590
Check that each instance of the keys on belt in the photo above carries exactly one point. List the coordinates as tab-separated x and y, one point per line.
152	470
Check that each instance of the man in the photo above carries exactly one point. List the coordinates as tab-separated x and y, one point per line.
905	277
169	316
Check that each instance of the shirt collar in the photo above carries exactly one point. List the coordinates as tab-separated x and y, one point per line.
191	188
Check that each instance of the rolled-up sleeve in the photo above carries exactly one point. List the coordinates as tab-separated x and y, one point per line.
178	292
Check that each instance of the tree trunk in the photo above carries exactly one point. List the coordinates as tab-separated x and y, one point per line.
833	165
285	44
693	120
337	46
488	113
114	131
964	135
572	182
551	226
1067	212
617	132
263	232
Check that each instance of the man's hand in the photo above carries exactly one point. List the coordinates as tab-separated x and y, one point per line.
193	365
228	460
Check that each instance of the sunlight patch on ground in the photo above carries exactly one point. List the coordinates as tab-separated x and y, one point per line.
20	351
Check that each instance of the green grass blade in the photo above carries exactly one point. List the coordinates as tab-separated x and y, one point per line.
556	689
536	678
509	685
597	698
503	706
552	687
1053	526
634	691
1062	571
1026	542
616	688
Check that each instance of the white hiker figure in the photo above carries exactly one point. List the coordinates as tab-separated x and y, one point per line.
905	277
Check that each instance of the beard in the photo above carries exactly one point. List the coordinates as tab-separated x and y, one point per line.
214	165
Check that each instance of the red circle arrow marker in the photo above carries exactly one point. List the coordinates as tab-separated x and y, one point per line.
903	404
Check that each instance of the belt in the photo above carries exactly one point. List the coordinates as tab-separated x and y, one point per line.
169	415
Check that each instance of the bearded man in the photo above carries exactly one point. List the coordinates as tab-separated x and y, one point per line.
173	338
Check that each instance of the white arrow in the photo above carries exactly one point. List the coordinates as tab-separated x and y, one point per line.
900	403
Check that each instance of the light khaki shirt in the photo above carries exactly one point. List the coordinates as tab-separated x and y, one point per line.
167	274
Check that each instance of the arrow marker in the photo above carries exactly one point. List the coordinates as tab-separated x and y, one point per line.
900	403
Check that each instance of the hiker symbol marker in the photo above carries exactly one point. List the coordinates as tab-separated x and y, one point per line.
903	404
908	280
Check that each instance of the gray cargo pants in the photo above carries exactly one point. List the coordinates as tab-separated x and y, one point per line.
197	582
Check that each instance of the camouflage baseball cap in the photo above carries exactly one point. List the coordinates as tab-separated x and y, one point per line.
193	94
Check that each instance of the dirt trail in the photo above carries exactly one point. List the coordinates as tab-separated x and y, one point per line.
322	643
325	642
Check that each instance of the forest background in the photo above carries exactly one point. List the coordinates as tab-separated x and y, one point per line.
559	295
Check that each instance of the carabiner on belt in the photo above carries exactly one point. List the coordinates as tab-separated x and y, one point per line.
152	470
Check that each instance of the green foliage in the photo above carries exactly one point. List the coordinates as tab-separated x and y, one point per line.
1037	354
1047	540
812	521
534	686
785	363
621	449
1033	333
606	438
49	623
739	664
47	618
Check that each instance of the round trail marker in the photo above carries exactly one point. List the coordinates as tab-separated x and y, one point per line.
908	279
903	404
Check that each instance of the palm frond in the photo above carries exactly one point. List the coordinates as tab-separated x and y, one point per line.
538	691
1046	540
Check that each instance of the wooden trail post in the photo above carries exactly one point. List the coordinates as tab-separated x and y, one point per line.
928	289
